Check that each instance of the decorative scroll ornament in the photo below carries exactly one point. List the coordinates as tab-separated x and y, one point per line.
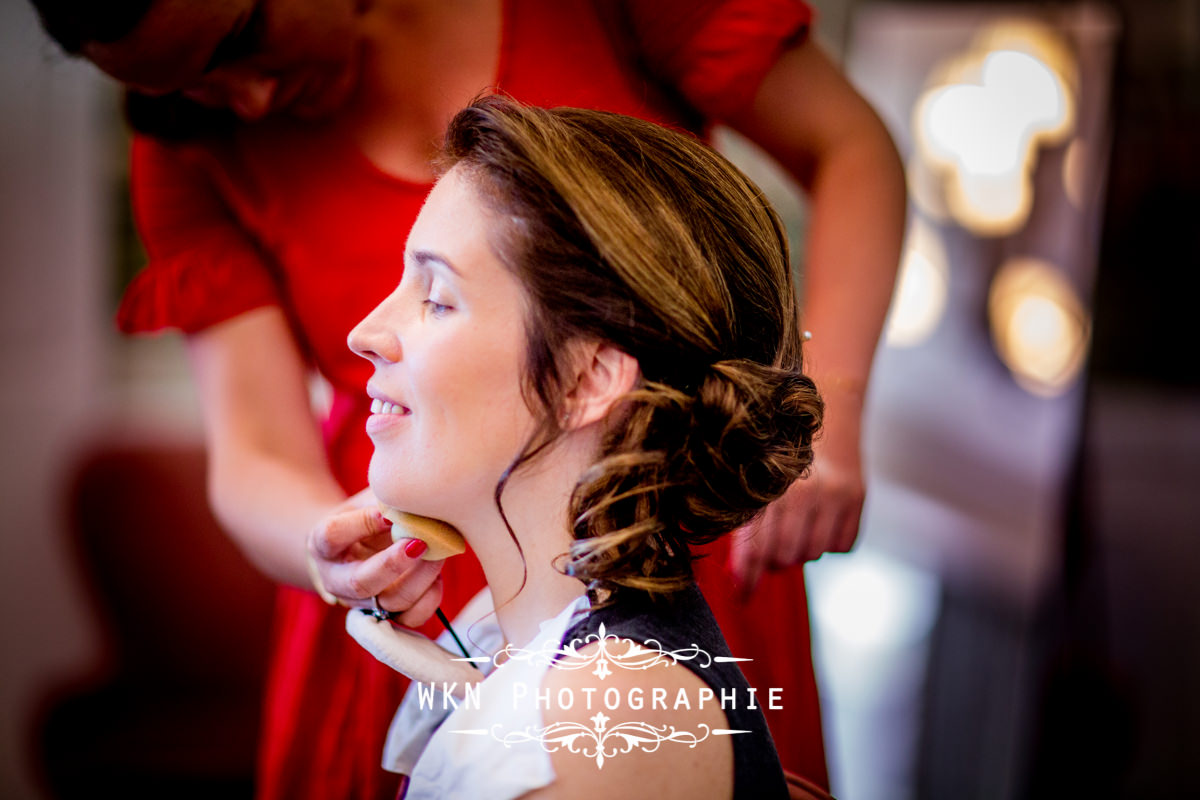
600	742
612	651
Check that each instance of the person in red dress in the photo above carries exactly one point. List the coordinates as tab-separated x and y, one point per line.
286	155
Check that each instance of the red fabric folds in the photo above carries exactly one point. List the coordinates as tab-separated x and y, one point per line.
193	291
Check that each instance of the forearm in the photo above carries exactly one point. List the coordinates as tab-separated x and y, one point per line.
268	504
850	266
269	481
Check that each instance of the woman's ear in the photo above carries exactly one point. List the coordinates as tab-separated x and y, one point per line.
603	375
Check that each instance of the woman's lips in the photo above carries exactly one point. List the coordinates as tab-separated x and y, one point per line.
385	414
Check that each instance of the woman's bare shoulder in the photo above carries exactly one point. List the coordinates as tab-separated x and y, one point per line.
624	724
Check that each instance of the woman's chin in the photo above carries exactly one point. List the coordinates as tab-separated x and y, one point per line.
401	501
392	488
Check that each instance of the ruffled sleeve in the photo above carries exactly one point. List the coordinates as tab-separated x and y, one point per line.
203	269
716	52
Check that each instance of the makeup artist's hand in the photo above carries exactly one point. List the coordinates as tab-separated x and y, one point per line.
818	514
355	563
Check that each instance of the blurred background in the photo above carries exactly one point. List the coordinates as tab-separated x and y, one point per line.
1020	618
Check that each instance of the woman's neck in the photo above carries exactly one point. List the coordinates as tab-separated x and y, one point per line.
545	594
526	587
425	61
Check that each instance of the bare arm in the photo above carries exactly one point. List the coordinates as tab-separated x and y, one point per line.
270	484
811	120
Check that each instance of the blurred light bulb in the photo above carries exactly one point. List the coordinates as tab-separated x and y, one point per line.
1039	326
991	205
981	122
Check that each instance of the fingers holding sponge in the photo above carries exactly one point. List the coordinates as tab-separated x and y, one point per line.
443	539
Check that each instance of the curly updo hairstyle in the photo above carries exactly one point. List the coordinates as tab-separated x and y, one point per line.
626	232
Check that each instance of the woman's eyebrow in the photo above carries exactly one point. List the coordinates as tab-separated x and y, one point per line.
426	257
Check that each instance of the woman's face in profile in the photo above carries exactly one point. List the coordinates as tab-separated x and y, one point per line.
448	346
254	57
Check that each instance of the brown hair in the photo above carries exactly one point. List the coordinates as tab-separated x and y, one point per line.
626	232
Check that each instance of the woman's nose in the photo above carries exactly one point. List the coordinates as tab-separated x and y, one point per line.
373	339
248	94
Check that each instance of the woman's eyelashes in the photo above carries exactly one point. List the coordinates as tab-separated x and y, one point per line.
436	308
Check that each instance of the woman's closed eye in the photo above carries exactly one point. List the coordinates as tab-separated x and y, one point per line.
436	308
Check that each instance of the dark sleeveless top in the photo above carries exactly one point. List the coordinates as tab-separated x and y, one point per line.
680	622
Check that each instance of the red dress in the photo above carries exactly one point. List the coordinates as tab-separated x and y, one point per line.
294	215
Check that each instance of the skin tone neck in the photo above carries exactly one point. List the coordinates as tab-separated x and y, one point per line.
426	63
535	501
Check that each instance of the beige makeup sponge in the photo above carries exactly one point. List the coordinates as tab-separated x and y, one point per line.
443	540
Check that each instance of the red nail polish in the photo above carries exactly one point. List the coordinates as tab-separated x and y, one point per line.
415	549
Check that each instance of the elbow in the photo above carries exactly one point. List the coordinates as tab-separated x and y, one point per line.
892	167
873	146
221	493
874	161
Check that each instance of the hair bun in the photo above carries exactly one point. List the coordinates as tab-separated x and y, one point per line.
684	467
750	437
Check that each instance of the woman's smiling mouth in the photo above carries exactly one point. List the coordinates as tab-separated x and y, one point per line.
385	414
386	407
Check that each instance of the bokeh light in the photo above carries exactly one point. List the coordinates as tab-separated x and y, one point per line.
873	600
984	117
1039	326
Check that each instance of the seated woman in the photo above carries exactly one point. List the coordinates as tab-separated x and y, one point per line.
592	362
